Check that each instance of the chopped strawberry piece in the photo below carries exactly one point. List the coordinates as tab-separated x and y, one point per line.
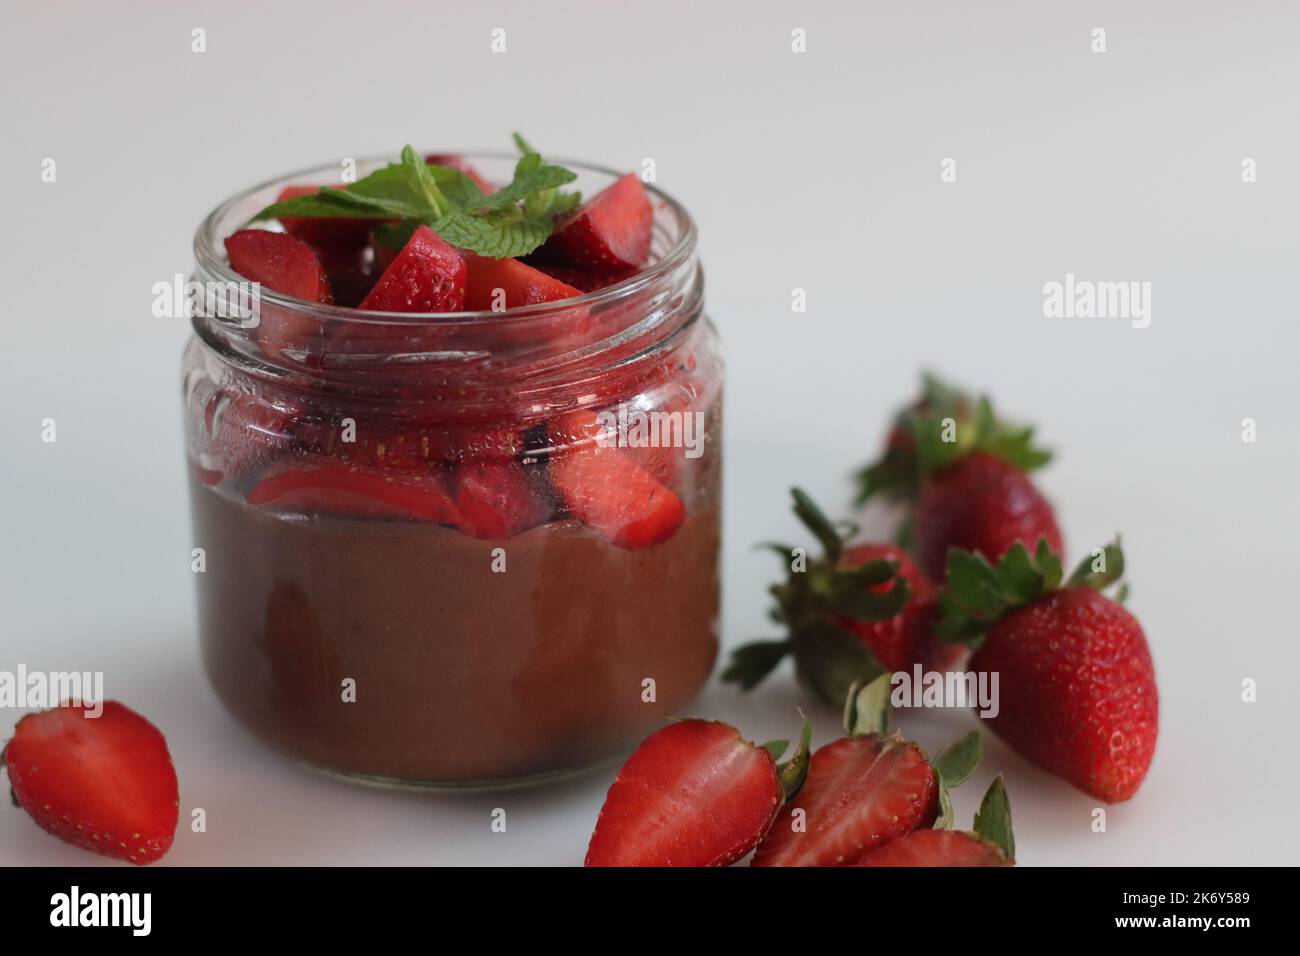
609	492
519	284
428	275
103	783
693	794
611	231
586	280
326	235
342	489
280	262
495	498
459	162
860	793
936	848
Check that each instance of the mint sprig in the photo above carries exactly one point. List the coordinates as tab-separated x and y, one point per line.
513	221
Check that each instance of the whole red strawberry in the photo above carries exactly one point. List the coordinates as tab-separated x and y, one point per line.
105	783
965	475
693	794
1077	688
850	614
980	503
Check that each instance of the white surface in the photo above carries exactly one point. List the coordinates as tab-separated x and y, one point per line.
819	171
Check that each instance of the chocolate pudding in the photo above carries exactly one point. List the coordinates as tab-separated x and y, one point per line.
473	661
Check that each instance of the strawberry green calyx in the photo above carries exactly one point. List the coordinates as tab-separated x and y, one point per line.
817	594
936	430
979	593
867	708
993	819
954	764
794	771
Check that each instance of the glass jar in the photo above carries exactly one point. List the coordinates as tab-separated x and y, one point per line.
468	549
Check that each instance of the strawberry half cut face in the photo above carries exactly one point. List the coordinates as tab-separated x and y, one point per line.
693	794
103	783
861	792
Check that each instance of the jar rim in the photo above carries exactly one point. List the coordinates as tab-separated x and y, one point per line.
212	261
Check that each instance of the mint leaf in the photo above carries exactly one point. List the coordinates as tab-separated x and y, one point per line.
511	222
502	235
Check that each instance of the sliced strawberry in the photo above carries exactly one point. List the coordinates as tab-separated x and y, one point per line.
102	783
495	499
936	848
612	231
326	235
247	432
861	792
693	794
608	491
586	280
280	262
519	285
428	275
461	163
338	488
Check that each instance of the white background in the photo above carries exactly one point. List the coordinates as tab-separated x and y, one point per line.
818	171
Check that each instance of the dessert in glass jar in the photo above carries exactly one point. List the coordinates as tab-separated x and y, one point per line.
453	439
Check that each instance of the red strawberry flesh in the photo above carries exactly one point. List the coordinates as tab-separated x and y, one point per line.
326	235
609	492
103	783
610	232
693	794
936	848
279	262
342	489
428	275
861	792
495	284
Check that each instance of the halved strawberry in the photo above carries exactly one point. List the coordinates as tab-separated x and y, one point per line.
102	783
464	165
860	793
428	275
693	794
518	284
611	231
280	262
608	491
936	848
332	487
326	235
